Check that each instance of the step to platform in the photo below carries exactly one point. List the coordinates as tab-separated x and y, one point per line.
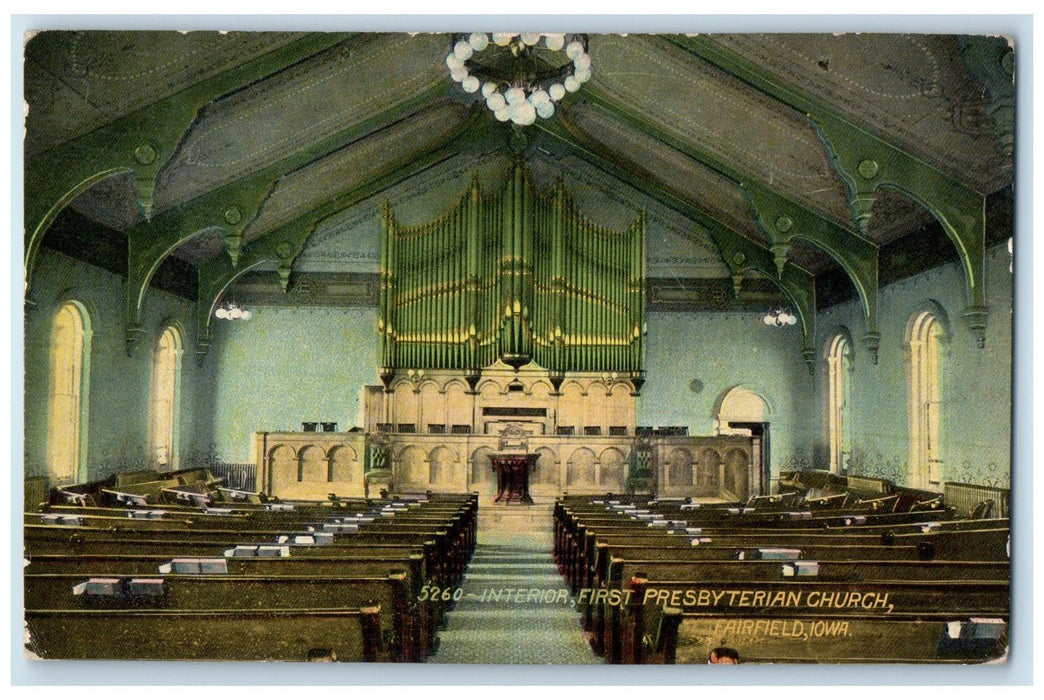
516	517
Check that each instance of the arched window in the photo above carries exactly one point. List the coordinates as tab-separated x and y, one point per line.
838	413
163	399
925	400
66	406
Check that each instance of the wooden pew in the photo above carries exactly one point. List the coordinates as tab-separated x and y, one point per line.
352	634
447	556
940	637
630	623
586	566
623	571
402	637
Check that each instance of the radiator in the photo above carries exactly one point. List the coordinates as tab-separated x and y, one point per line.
241	476
965	497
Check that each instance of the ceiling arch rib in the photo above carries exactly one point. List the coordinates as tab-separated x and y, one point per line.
783	221
738	252
141	142
866	162
234	206
284	243
779	217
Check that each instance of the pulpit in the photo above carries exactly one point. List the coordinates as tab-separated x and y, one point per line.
512	470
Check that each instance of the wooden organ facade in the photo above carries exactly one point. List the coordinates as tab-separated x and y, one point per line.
431	431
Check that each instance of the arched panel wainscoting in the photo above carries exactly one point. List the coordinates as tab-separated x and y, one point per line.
344	465
458	405
443	472
282	470
313	468
570	407
346	474
679	468
580	470
612	471
708	473
621	406
736	482
482	478
432	402
404	405
412	467
544	479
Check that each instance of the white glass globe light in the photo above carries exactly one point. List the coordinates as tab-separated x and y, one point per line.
556	91
571	83
463	50
769	320
539	97
496	102
488	89
502	114
470	84
574	49
545	109
555	42
479	41
221	312
582	75
235	312
530	38
582	61
453	62
459	74
514	95
247	315
502	38
525	113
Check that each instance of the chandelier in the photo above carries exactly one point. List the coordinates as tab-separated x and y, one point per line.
228	311
520	76
779	318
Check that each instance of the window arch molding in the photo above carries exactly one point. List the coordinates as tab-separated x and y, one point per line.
926	351
67	451
837	384
164	408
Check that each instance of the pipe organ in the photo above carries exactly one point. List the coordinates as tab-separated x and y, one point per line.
516	276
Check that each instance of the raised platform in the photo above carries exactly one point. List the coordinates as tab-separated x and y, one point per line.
516	518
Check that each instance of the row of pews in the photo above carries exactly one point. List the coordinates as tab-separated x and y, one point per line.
141	571
805	576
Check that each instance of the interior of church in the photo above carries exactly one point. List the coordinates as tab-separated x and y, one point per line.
406	329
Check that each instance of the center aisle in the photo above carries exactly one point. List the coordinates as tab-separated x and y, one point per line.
514	607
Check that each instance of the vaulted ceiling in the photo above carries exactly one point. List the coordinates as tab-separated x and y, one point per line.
820	165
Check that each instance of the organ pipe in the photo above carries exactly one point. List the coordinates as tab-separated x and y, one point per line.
517	272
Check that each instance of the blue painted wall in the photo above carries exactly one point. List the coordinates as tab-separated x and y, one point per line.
119	385
976	383
288	365
723	351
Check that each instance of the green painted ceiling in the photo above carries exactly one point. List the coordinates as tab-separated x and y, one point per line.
814	160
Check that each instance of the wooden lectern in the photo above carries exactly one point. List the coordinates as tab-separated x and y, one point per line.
512	470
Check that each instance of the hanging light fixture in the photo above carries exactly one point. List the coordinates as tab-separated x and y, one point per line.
228	311
520	76
779	318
